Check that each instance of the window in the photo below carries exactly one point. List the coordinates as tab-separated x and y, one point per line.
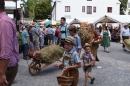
129	12
83	8
128	5
109	9
89	9
94	9
67	8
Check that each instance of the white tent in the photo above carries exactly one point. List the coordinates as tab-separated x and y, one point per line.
121	18
79	20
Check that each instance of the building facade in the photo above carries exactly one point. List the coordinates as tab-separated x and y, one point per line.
84	8
10	7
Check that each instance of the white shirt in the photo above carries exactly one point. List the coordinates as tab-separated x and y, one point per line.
125	32
105	31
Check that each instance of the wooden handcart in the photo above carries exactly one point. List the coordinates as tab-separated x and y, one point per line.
35	66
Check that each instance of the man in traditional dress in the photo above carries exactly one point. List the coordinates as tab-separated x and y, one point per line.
125	34
63	31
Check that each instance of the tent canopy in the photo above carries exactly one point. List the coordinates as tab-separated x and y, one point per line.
106	19
75	21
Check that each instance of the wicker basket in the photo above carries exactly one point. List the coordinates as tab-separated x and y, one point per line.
98	41
63	80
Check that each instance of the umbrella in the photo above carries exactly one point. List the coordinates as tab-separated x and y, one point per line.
51	22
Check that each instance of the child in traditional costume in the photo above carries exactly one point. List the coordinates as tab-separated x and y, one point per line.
71	61
88	60
77	41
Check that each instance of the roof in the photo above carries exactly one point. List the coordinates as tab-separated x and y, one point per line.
102	19
106	19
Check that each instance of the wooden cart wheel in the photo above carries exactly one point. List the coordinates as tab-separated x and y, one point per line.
34	68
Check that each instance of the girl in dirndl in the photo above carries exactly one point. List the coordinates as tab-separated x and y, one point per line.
105	34
88	60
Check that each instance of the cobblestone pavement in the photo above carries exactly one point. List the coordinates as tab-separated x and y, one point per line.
115	71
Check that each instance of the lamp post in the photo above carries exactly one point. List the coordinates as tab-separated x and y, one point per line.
22	5
15	12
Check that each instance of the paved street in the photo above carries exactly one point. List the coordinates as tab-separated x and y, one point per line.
115	71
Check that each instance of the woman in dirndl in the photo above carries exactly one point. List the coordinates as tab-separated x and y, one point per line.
95	38
105	34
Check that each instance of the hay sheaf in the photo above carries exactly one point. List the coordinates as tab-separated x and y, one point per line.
51	53
127	42
85	36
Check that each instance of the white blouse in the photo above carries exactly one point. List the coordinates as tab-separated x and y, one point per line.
105	31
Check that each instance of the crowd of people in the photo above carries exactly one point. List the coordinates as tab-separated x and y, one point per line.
36	36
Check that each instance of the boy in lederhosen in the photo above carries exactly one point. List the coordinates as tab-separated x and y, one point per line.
73	63
88	60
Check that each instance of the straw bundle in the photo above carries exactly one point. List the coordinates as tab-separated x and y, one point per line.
51	53
85	36
127	43
48	54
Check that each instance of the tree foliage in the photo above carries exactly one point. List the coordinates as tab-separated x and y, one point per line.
123	6
42	9
37	9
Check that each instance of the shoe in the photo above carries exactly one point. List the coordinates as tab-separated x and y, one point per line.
93	65
125	50
107	51
92	81
84	85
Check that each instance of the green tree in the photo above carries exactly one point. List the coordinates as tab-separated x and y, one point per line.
123	6
43	9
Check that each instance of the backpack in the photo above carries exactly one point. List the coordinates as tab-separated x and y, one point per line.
56	34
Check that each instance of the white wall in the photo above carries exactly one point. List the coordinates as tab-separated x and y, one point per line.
76	8
53	13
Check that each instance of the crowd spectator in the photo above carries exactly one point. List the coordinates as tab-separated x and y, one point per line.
31	48
41	37
35	33
54	35
57	34
63	30
26	42
50	33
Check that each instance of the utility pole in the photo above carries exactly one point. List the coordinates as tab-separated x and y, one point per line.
15	12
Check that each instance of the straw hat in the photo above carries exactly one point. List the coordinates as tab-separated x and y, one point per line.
41	25
33	24
87	45
70	39
126	24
